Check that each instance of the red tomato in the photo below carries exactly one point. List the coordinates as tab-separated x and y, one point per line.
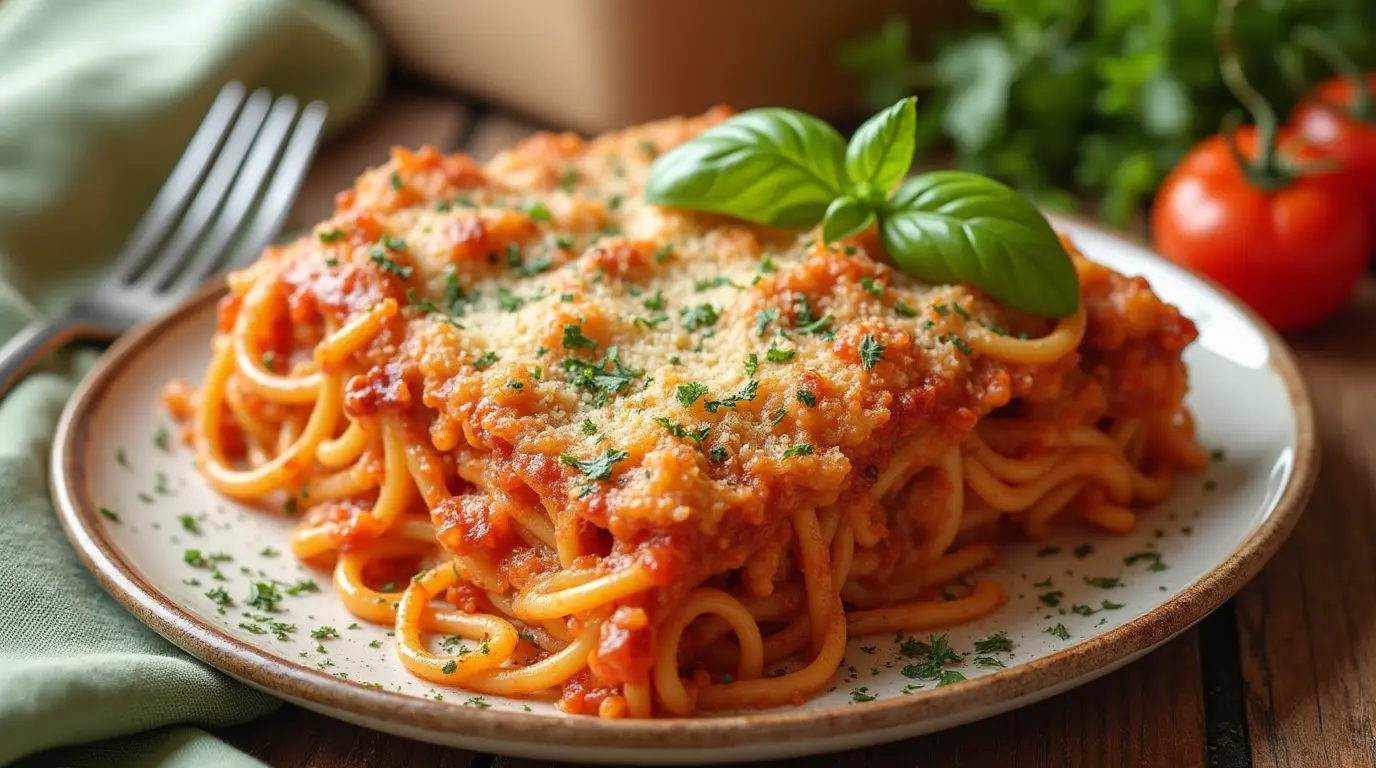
1325	119
1293	253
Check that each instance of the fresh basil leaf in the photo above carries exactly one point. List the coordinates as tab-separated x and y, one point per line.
846	216
881	150
771	166
959	227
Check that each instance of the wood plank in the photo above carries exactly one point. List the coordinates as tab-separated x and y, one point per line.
403	119
1308	623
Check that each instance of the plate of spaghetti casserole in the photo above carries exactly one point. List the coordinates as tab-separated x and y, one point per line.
507	457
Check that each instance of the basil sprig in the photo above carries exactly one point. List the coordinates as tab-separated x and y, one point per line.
783	168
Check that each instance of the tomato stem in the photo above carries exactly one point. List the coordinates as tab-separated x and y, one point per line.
1362	108
1262	171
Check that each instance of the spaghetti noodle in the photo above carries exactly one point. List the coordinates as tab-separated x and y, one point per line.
632	451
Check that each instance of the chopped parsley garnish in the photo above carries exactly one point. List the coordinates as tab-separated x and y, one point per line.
962	345
563	242
569	179
717	454
220	597
598	468
872	288
762	320
450	667
1109	605
1058	631
380	257
988	661
799	449
959	310
597	378
816	326
254	628
871	352
689	393
862	694
538	211
1102	582
648	149
331	235
397	183
163	439
949	677
929	657
677	430
508	301
1083	551
195	559
807	398
574	338
650	323
1153	557
776	355
281	630
587	427
486	360
121	458
663	252
941	309
614	202
476	701
322	633
263	595
701	316
392	243
189	524
903	310
1051	599
302	586
746	394
995	643
706	284
515	384
778	416
654	303
752	364
109	514
455	296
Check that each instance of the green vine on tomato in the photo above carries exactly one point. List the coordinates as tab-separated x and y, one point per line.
1262	214
783	168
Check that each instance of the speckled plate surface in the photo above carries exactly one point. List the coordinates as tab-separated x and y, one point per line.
1084	603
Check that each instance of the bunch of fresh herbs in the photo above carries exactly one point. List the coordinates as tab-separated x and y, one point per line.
1059	97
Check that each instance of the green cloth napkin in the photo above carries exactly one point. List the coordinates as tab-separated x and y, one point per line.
97	100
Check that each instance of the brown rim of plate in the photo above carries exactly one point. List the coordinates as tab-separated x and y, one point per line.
1097	654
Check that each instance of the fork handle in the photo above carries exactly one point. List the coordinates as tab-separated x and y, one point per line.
28	347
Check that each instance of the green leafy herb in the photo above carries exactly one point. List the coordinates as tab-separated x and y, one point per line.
862	695
574	338
324	632
486	360
929	657
331	235
163	439
763	318
109	514
220	597
746	394
397	183
752	364
189	524
508	301
701	316
995	643
538	211
871	352
785	168
717	454
598	468
380	258
677	430
799	449
988	661
689	393
872	287
654	303
1102	582
807	398
263	595
776	355
771	166
587	427
1058	631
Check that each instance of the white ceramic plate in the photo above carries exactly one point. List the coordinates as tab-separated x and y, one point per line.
1210	537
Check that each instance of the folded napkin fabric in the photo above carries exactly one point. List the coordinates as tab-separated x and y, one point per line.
97	100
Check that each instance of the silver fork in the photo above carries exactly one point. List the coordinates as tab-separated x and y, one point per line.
224	202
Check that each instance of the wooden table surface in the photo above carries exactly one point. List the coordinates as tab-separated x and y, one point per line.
1282	675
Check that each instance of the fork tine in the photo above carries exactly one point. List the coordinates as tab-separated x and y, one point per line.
171	200
286	182
247	187
210	195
